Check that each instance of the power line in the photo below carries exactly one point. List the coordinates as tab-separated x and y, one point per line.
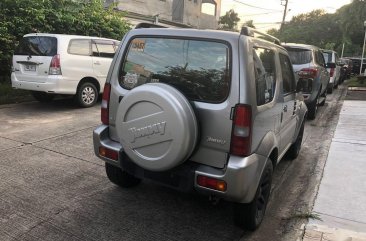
248	15
246	4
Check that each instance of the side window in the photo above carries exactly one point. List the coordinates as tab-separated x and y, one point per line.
104	48
321	60
265	75
288	77
79	47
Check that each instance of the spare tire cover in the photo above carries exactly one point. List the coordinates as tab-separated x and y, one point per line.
156	126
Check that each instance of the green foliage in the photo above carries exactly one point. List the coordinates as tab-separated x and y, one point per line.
249	23
229	21
82	17
328	31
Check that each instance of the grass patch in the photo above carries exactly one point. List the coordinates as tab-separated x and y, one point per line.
8	95
306	215
354	82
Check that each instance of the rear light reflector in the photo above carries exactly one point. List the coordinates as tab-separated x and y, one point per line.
108	153
105	104
331	72
308	73
241	136
55	66
211	183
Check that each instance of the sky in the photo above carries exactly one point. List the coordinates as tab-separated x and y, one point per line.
268	14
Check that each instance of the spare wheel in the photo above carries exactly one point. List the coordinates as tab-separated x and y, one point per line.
156	126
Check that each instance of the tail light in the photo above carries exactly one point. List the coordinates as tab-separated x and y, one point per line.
108	153
241	136
212	183
105	104
308	73
331	73
55	66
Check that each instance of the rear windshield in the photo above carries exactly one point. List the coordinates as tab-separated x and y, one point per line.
199	69
327	57
299	56
37	46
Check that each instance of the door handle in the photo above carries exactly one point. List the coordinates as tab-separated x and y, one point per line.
97	63
285	108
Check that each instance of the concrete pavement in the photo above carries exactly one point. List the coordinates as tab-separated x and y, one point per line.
341	200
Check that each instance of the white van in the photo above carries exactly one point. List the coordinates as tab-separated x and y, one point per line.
50	64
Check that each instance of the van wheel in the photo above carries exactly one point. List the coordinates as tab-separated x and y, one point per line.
294	150
250	215
42	96
119	177
87	95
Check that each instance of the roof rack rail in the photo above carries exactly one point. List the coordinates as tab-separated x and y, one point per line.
148	25
251	32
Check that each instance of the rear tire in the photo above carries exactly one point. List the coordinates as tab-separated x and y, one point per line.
119	177
250	215
87	95
313	108
295	148
330	89
42	96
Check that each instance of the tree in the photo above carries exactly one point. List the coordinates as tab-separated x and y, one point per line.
249	23
229	21
82	17
328	31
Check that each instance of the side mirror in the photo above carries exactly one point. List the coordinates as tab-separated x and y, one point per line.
330	65
341	64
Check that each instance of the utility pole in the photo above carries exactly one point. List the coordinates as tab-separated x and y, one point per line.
284	14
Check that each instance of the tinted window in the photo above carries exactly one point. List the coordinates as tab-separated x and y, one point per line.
38	46
299	56
327	57
288	77
104	48
199	69
79	47
265	77
320	58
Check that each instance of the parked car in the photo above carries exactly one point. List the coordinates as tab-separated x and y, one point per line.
313	77
331	56
356	62
347	66
50	64
210	111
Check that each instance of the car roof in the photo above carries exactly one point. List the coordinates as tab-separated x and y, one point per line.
66	36
300	46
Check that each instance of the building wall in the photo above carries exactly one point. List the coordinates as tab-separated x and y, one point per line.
182	11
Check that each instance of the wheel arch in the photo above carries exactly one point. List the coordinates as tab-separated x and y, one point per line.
89	79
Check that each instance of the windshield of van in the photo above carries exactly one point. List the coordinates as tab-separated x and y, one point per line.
199	69
37	46
299	56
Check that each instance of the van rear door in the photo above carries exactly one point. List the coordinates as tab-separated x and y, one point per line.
32	58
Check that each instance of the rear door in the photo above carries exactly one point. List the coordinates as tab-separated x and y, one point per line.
32	58
103	52
288	120
200	69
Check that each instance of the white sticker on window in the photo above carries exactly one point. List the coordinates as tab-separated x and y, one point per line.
130	80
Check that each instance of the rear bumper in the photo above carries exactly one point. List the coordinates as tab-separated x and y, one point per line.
50	84
242	174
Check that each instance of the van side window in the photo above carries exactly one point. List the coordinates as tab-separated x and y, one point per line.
79	47
265	76
288	77
104	48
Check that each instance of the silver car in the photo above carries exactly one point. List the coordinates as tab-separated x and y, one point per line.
198	110
313	77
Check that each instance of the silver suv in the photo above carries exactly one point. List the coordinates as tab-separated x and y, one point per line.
200	110
313	77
